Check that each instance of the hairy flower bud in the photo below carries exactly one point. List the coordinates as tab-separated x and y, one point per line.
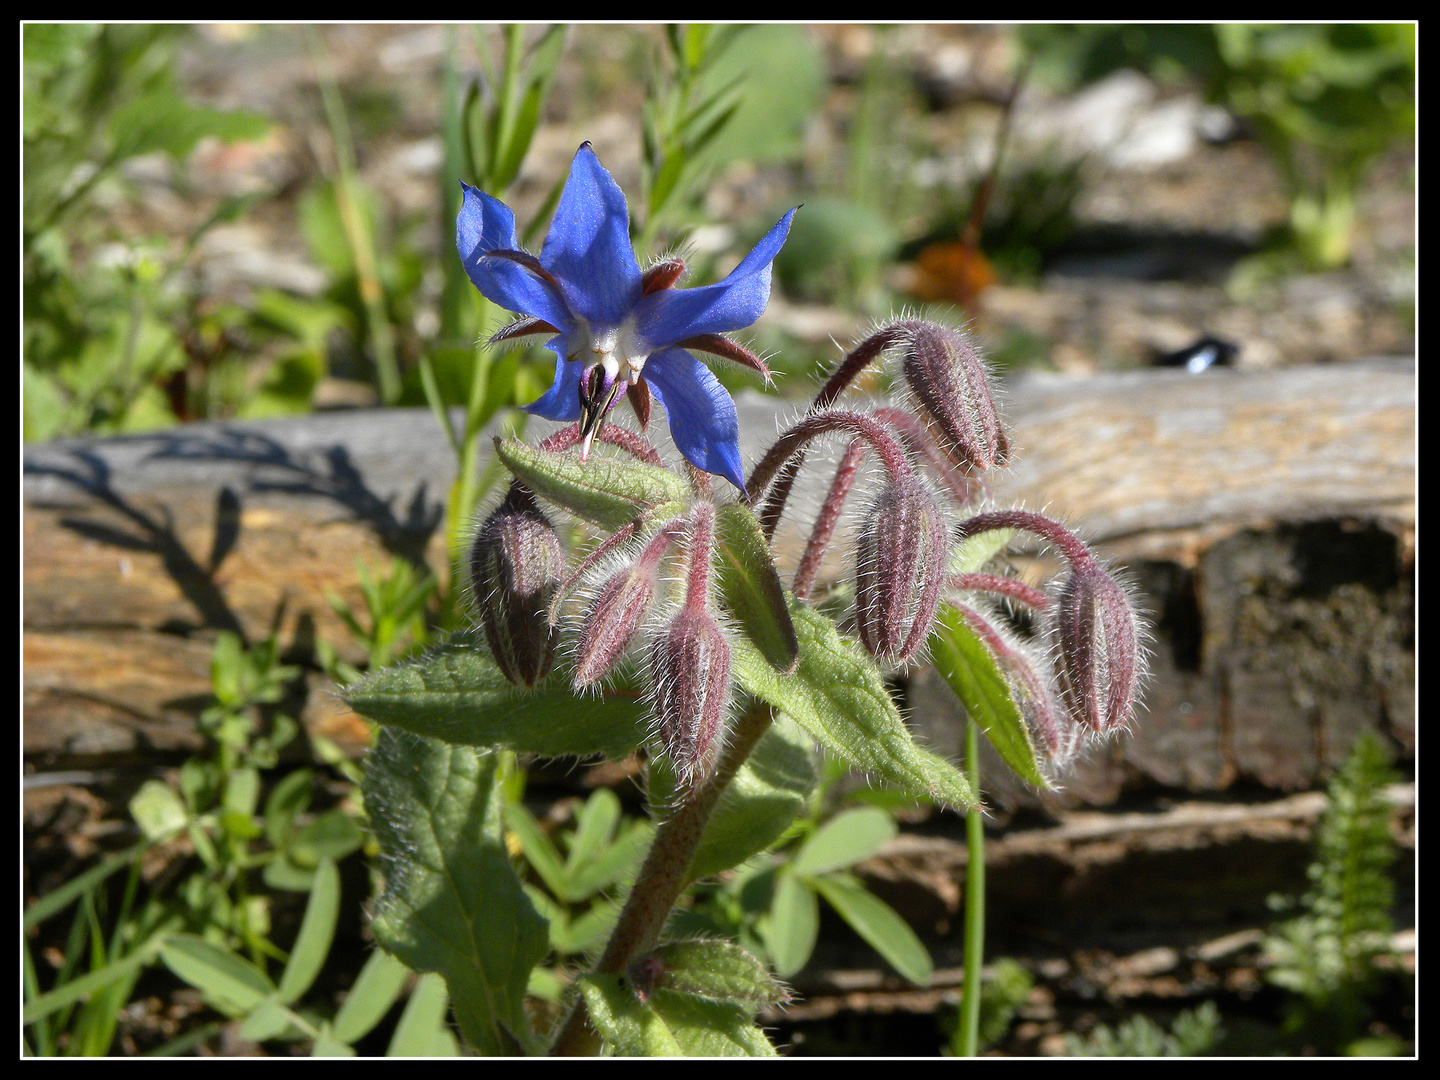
949	379
690	663
515	565
611	624
1100	660
619	609
901	561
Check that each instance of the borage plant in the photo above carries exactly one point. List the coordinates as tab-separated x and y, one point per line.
672	632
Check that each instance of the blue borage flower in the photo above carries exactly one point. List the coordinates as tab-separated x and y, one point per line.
615	328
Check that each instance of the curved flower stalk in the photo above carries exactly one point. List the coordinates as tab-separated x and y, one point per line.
615	328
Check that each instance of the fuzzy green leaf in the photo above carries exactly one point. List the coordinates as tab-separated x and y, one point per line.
975	551
751	588
720	971
970	670
605	491
457	694
837	695
669	1024
451	903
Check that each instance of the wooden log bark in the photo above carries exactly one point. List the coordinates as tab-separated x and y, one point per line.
1267	517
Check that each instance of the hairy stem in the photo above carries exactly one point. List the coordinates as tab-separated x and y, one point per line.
663	876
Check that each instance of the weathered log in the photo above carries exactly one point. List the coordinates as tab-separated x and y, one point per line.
1268	517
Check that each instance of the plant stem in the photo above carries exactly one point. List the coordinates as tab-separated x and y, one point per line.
663	877
968	1043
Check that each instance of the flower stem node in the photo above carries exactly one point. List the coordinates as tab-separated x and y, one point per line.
516	563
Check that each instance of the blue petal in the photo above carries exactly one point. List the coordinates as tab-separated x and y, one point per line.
588	246
672	315
485	224
701	415
562	400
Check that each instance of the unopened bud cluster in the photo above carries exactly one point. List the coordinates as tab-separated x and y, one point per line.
647	589
934	453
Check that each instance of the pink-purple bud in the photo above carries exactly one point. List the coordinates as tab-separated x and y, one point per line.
611	625
949	380
620	608
515	566
1100	660
901	560
690	664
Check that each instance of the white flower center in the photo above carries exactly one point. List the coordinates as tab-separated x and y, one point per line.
618	349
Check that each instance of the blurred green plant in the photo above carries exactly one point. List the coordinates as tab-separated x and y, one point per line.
575	880
1325	100
1194	1033
1006	987
1327	955
488	128
771	904
104	318
211	926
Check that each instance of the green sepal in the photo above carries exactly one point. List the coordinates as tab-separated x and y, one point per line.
457	694
606	491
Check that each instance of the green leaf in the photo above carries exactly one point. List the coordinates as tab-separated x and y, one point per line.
751	588
422	1031
970	670
836	694
766	795
792	925
539	850
876	922
268	1020
844	840
616	862
91	983
455	693
594	829
157	809
229	983
720	971
326	1045
670	1024
975	551
287	800
378	986
317	932
451	902
605	491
